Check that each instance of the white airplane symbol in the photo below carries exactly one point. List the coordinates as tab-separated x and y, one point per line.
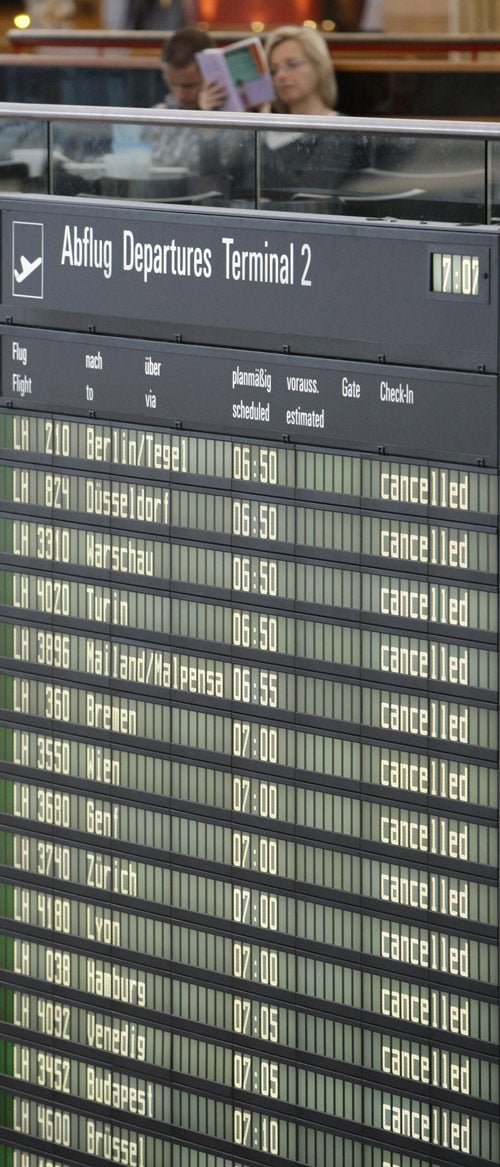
27	268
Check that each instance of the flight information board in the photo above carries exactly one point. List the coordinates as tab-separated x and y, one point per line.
248	690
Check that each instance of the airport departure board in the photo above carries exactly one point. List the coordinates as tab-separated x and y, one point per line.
248	690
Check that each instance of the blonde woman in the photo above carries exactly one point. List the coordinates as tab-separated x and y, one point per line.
304	81
302	71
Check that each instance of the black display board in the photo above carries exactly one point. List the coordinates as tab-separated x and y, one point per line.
248	690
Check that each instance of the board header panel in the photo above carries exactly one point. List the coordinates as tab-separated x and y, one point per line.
368	291
408	411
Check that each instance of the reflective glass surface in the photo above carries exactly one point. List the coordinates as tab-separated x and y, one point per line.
308	171
23	155
494	181
335	171
374	175
181	162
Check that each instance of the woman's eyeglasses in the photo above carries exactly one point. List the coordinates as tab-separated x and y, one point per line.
287	66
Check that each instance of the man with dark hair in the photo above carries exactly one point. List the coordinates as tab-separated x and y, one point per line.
212	156
180	69
160	14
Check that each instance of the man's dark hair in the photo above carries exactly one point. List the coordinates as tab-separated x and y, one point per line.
180	48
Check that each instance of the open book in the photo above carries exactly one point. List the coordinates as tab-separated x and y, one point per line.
242	69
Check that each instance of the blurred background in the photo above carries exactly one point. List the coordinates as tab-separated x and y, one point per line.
403	16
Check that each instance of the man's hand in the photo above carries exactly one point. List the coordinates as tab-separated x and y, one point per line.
212	95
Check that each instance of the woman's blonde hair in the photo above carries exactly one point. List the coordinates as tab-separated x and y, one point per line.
315	50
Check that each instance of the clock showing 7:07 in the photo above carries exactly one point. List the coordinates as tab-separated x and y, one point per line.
459	274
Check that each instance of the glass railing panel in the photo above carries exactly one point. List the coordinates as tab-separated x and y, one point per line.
373	175
342	170
181	162
434	178
77	153
23	155
308	171
494	181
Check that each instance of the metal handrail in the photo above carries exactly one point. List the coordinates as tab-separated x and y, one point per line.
255	121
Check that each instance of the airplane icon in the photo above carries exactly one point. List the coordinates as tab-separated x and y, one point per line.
27	267
27	273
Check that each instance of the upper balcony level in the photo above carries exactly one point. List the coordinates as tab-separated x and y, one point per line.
378	75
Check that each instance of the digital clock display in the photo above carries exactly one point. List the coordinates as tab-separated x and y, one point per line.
455	274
